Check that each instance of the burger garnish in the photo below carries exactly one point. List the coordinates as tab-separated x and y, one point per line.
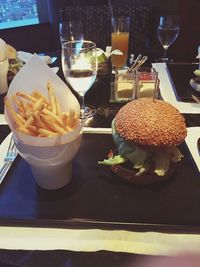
146	133
14	67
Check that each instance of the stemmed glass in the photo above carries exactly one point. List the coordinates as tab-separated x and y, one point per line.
79	64
70	30
168	30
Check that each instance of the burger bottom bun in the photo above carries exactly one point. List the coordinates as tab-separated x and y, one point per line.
128	175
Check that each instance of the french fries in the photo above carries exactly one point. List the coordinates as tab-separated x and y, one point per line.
37	115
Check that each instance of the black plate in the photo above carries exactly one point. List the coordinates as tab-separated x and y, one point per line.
4	130
60	258
97	198
180	75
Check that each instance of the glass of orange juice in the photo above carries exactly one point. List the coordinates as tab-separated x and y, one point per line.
120	40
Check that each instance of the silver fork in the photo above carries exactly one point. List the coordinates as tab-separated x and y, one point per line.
196	98
9	158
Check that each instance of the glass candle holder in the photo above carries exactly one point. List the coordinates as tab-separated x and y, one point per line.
125	85
147	83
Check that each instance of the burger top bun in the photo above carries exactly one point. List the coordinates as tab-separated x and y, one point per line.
150	122
11	52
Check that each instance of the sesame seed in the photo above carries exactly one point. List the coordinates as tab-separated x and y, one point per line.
148	122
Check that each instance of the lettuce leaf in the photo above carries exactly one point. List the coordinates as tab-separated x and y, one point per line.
175	154
144	168
162	160
113	160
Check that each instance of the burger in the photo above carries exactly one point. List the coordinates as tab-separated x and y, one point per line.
146	133
14	62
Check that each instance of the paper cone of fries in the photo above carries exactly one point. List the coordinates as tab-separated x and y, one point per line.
43	115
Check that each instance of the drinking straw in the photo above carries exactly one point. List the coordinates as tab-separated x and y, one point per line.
111	12
135	63
138	63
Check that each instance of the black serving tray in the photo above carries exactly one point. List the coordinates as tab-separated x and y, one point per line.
180	75
97	198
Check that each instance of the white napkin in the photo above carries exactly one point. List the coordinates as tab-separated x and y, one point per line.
55	69
91	130
3	150
193	135
25	81
168	93
3	120
25	56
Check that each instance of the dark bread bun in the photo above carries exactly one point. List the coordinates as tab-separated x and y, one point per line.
128	175
151	122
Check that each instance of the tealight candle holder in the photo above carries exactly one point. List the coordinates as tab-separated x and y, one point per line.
147	83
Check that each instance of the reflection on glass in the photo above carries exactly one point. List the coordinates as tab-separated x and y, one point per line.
70	30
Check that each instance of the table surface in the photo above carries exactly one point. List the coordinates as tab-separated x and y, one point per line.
62	258
99	96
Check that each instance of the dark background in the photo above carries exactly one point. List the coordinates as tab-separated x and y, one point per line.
44	37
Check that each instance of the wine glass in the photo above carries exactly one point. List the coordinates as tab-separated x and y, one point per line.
70	30
168	30
79	64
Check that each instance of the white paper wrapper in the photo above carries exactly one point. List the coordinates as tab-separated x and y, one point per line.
34	75
25	56
2	50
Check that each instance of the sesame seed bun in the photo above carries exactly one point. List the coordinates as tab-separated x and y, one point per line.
11	52
151	122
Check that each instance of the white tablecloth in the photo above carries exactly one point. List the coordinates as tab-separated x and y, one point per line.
148	243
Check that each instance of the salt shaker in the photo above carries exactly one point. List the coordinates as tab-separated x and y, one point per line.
4	65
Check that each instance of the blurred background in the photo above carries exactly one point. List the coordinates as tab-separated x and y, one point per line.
32	25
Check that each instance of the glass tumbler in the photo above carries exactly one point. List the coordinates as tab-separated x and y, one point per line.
120	40
147	83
